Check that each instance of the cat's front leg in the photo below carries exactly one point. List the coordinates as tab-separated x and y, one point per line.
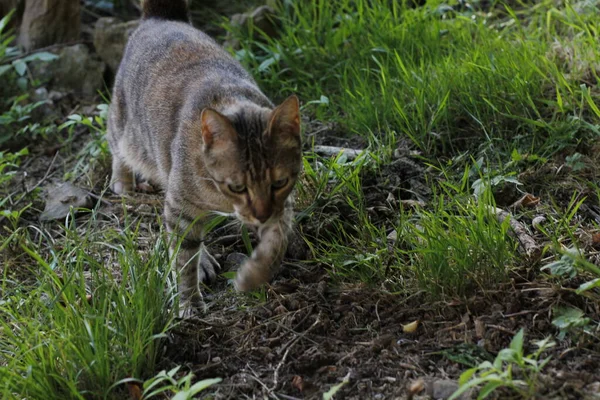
267	256
190	256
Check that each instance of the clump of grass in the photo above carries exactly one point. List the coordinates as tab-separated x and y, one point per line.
449	81
458	245
95	315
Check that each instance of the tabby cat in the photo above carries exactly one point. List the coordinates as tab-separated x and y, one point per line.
186	116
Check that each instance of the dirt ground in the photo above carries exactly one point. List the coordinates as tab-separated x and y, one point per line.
310	331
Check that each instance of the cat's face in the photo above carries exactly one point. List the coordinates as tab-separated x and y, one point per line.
255	159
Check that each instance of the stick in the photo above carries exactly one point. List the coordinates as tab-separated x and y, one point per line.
528	244
329	151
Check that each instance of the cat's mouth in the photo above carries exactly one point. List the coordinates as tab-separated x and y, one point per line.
253	221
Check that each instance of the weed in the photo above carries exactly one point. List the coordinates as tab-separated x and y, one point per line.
500	372
572	321
459	245
182	388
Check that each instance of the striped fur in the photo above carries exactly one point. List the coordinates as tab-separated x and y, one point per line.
186	116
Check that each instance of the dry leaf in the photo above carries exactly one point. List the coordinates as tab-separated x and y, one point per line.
528	200
479	328
298	382
411	327
413	203
135	391
416	387
596	240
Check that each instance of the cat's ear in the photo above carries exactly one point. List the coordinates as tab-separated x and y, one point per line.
285	120
216	129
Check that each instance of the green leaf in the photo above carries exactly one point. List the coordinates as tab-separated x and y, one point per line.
229	275
203	384
335	388
563	267
588	286
569	318
4	69
517	343
465	376
508	355
489	388
4	21
20	67
42	56
22	83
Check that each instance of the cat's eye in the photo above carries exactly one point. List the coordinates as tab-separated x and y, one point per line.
237	188
278	184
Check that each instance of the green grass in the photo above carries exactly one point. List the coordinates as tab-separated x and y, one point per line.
482	96
449	83
93	313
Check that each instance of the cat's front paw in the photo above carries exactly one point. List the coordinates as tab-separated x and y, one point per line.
121	187
190	307
250	276
208	266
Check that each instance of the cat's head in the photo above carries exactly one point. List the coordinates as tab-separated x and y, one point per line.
254	157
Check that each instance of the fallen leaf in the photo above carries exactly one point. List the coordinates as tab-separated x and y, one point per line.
411	327
298	382
596	240
135	391
479	328
416	387
528	200
413	203
62	198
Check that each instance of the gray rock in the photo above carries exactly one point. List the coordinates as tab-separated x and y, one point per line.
263	19
75	70
442	389
62	199
233	261
110	38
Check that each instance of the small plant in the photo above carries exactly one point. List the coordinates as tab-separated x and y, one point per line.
182	388
571	321
7	161
95	149
570	264
500	372
10	57
575	162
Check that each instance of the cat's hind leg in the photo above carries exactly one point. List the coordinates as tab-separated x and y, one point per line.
122	180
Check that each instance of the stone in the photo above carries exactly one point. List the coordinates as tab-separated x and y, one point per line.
75	70
110	38
62	199
442	389
264	21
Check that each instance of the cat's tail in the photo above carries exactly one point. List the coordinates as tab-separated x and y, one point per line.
173	10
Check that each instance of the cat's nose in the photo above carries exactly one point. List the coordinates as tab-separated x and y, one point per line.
262	210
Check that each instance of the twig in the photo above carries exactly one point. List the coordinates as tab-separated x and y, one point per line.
289	347
329	151
286	397
524	312
528	244
501	329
